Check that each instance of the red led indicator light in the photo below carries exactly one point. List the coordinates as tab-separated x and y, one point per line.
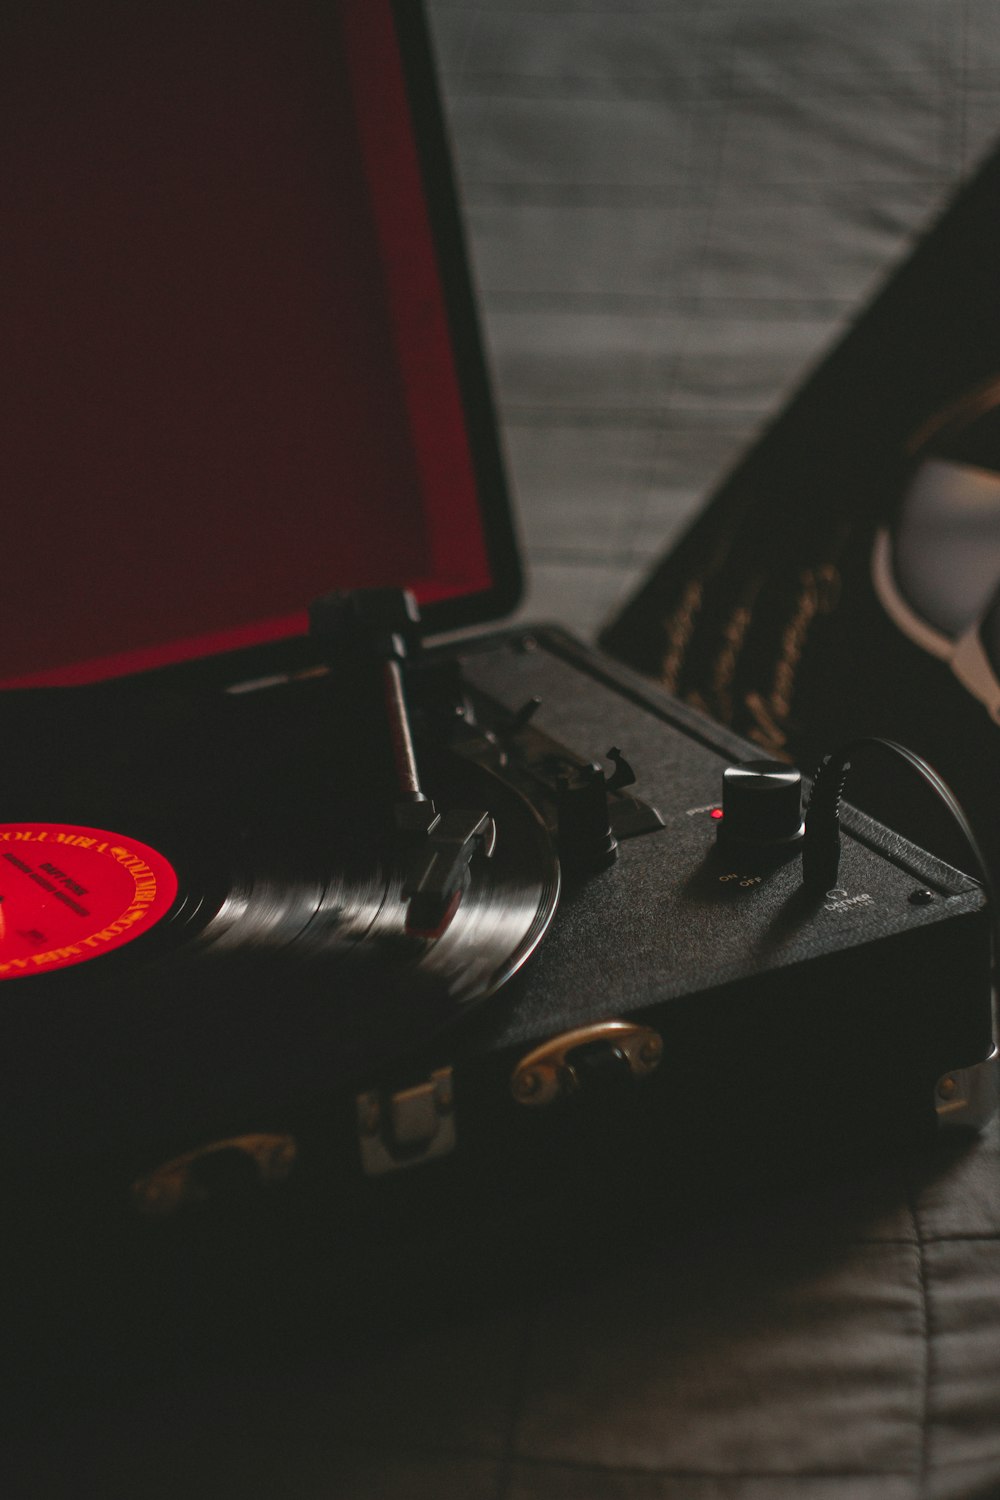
716	813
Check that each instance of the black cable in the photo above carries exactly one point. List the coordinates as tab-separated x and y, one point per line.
821	846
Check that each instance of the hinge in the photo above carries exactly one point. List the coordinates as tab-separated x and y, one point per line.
407	1127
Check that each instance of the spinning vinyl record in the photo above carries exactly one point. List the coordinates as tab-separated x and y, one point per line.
71	894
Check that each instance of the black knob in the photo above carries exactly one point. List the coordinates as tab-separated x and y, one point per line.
761	805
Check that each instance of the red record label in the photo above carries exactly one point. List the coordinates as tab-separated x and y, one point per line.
68	894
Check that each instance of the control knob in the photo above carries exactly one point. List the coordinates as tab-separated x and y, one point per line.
761	806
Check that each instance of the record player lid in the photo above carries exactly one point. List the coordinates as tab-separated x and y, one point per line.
240	359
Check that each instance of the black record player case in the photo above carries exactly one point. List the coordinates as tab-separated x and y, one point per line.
675	999
690	1010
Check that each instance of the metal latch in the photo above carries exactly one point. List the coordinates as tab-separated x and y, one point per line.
967	1097
554	1069
406	1128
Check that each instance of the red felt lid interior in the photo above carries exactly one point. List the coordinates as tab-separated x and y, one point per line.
229	382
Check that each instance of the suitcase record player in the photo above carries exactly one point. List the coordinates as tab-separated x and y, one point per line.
299	895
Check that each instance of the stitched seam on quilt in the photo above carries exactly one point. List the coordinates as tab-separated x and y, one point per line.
923	1449
959	1239
507	1462
509	1455
655	1472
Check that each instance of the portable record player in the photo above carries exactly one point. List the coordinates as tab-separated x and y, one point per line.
295	897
